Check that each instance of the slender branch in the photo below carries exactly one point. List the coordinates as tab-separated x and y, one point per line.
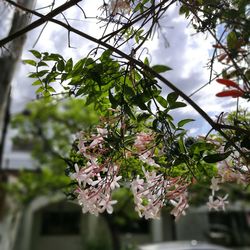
136	20
35	24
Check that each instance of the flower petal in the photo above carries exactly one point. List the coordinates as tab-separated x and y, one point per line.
228	83
233	93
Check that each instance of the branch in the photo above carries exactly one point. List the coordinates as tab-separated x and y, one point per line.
37	23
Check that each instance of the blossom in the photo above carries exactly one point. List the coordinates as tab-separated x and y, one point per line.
218	203
108	205
78	175
228	174
229	83
114	183
146	158
151	193
180	205
137	184
141	141
95	190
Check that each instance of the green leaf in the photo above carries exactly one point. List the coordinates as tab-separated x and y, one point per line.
53	57
172	97
51	89
35	53
162	101
76	80
155	124
69	65
128	91
42	73
213	158
160	68
40	64
143	117
30	62
139	101
183	122
177	105
112	100
78	66
198	147
232	40
60	65
146	61
184	10
40	89
128	111
105	55
36	83
33	75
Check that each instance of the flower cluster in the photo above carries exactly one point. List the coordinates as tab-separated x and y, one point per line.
229	174
142	147
151	194
96	181
95	188
216	202
99	176
225	174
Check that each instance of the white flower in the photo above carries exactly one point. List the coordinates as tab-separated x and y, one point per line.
114	183
147	159
109	207
218	203
78	175
180	206
142	140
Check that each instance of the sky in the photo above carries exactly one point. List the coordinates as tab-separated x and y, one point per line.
185	52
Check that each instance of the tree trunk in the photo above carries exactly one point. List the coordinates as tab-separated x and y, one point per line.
8	61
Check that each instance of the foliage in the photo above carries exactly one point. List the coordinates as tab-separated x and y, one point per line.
137	141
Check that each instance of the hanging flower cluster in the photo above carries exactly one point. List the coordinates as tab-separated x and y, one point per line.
101	167
95	186
151	194
142	146
225	174
96	180
216	202
99	177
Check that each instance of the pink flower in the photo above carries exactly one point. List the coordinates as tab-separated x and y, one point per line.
141	141
180	206
114	183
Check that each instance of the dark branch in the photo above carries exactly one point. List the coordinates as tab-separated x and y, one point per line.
43	19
